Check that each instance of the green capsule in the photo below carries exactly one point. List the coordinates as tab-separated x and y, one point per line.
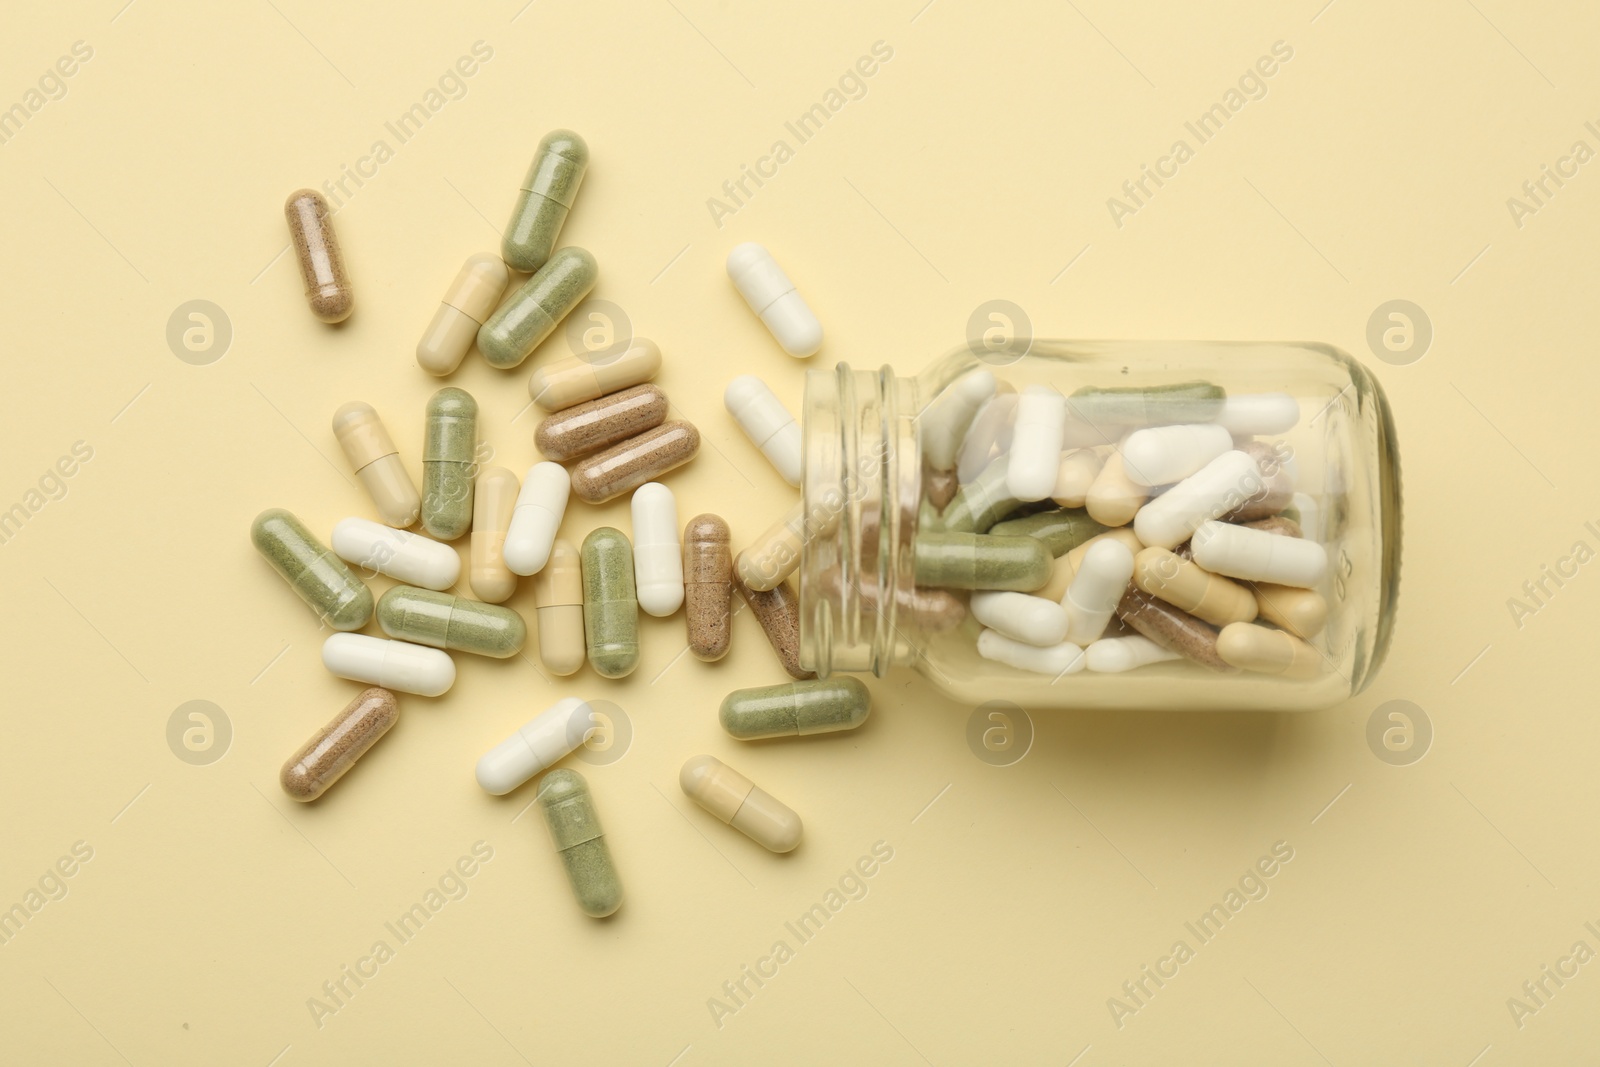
981	561
444	620
1158	405
1061	530
575	829
983	501
796	709
450	441
548	190
513	332
610	605
320	578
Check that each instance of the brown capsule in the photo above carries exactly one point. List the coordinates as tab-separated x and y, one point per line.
1174	630
708	586
1277	487
1302	612
627	465
778	612
942	487
315	246
333	749
589	427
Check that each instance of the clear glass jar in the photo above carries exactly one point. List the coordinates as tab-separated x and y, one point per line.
869	478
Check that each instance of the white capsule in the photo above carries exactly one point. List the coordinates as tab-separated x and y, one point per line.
768	424
1257	413
1057	660
549	736
1033	620
944	422
1259	556
771	295
1161	455
1036	443
989	435
409	557
1215	489
1113	655
398	665
540	507
1096	589
657	555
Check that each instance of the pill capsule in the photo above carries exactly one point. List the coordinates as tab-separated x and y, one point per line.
1160	455
1185	584
1036	443
408	557
1114	499
535	309
1113	655
959	560
558	592
778	612
772	296
707	586
767	423
740	803
1060	530
628	464
983	501
493	501
398	665
1215	489
1138	405
1096	590
1057	660
610	605
467	305
1258	413
541	505
443	620
575	831
774	555
1177	631
334	749
1065	568
1275	462
450	441
317	248
588	427
1078	469
560	385
1263	650
796	709
944	422
1302	612
376	461
941	488
316	575
657	556
1030	619
1258	556
548	190
542	743
989	436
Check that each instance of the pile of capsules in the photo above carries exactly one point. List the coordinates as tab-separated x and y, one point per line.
611	426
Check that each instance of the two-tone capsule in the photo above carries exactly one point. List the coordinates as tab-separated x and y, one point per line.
610	604
334	749
449	460
740	803
575	831
442	620
796	709
376	461
534	311
317	576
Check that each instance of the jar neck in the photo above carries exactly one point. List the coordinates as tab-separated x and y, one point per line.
861	490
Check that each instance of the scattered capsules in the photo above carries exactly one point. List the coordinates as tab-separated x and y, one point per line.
657	556
537	516
334	749
450	441
543	742
493	501
627	465
467	305
610	604
588	427
441	620
767	423
400	665
533	312
316	248
317	576
558	592
740	803
708	586
402	555
796	709
548	190
573	380
376	461
772	296
574	824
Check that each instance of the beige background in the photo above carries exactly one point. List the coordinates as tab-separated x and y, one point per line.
978	164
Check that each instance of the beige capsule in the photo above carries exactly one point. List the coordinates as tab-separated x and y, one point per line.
774	555
578	378
371	452
941	487
1185	584
493	501
740	803
778	612
467	305
1065	567
1114	498
558	596
595	424
334	749
708	586
1079	469
627	465
316	247
1268	651
1302	612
